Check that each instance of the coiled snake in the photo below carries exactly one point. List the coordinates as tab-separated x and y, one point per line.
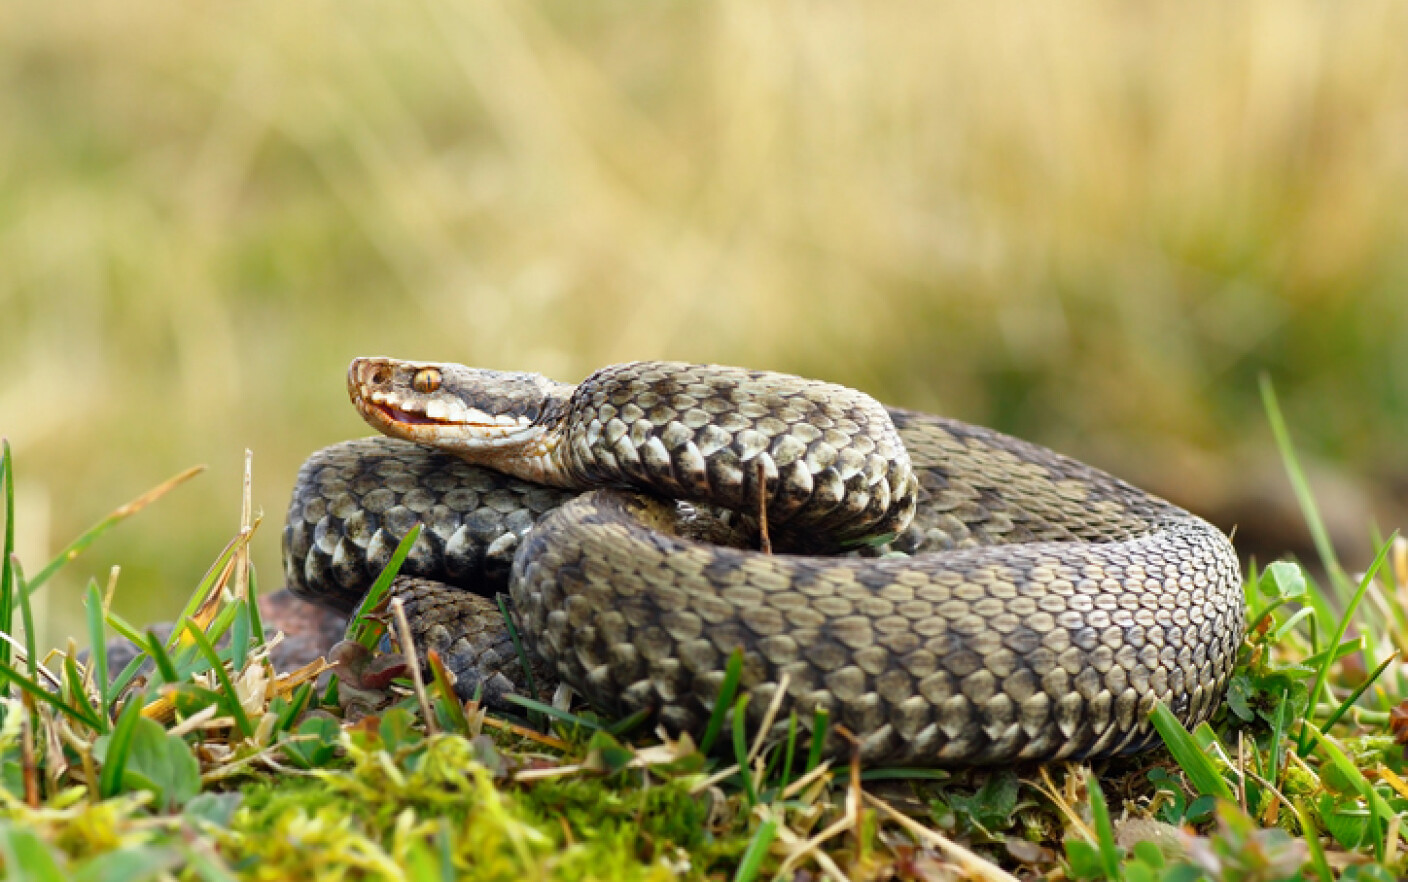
1000	602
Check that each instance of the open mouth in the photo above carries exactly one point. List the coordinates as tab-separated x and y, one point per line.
397	415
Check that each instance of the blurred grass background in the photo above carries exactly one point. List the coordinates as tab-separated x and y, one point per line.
1091	224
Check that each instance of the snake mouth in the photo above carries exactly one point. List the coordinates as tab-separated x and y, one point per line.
420	426
396	415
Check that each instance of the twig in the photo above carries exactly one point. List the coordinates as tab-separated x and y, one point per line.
850	819
801	783
246	520
21	654
111	587
764	541
853	791
202	718
801	848
56	765
408	647
90	670
970	862
1241	772
1048	787
524	732
1271	787
210	604
1391	837
721	774
262	755
805	848
782	685
31	768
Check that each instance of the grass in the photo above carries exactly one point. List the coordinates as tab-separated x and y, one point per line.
212	768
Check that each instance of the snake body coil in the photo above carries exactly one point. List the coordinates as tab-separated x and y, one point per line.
1040	608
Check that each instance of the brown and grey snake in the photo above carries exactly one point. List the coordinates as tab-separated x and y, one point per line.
995	601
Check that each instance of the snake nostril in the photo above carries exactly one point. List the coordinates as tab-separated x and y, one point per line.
379	376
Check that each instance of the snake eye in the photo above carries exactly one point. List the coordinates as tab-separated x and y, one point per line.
426	380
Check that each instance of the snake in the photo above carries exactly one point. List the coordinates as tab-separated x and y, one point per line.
936	593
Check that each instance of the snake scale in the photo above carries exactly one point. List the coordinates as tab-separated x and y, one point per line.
995	601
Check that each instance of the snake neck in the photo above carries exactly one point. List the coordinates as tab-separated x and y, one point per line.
824	462
544	459
538	452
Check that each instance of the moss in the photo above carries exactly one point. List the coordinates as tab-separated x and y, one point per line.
385	810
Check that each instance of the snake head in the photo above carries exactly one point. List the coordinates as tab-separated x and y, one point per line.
479	415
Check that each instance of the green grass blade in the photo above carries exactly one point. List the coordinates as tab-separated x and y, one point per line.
208	650
78	696
41	694
752	861
1347	647
1311	835
740	749
533	704
1104	830
629	723
119	747
217	626
125	677
358	627
98	641
451	706
1309	510
7	585
1205	777
251	600
224	620
1375	831
1290	624
26	618
769	773
1324	670
513	636
161	658
733	672
119	514
125	628
239	636
361	629
190	699
790	756
821	722
296	705
1265	613
1358	691
202	591
1278	735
